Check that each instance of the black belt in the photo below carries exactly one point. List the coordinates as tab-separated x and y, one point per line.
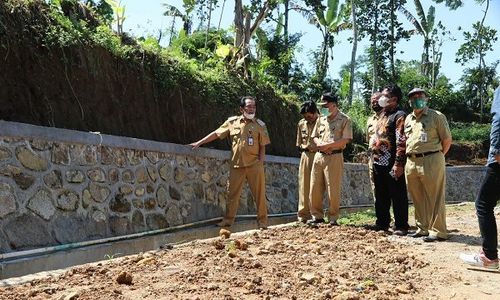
415	155
331	153
307	150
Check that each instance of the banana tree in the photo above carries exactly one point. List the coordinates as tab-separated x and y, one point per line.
424	25
330	20
174	12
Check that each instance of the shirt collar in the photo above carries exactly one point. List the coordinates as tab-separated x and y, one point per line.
424	112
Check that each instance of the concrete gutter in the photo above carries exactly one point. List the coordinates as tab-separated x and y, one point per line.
66	256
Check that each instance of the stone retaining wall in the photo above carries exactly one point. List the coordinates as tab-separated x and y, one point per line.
60	186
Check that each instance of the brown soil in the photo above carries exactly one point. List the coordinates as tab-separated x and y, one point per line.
285	262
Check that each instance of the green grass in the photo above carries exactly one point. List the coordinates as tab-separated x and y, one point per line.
358	218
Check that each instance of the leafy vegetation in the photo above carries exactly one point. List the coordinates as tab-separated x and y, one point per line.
250	58
470	132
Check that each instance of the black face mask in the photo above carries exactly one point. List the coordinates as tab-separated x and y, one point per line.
376	107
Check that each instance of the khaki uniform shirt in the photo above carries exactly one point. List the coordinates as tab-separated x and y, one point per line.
424	134
371	125
246	139
304	135
338	128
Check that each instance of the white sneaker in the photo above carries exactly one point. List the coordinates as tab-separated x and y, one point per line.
479	260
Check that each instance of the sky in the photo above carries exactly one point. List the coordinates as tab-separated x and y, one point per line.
146	17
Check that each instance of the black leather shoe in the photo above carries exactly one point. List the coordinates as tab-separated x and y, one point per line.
315	222
417	235
431	239
376	228
400	232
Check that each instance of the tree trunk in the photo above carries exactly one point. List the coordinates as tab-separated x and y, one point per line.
481	58
244	30
285	33
238	24
354	49
221	14
324	56
208	22
393	41
374	49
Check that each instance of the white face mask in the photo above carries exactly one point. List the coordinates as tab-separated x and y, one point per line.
383	101
249	116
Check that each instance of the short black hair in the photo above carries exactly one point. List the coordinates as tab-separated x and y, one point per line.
308	107
242	100
395	91
330	97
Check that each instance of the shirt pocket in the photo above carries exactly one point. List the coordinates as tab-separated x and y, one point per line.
408	130
305	135
236	135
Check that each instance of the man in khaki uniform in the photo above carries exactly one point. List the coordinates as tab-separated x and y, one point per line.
249	137
307	148
371	124
332	132
428	140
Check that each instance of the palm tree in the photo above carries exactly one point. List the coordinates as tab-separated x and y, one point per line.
354	49
424	26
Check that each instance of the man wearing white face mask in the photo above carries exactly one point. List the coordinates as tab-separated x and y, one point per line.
388	145
249	137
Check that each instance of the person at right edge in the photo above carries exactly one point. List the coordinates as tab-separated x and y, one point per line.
489	194
428	139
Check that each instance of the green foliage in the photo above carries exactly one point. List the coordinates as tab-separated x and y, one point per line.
476	43
452	4
150	44
359	116
477	81
470	132
358	218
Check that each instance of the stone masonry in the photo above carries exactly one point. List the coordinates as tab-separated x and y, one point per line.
60	186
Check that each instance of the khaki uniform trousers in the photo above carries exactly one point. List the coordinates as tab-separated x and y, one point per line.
372	180
255	176
305	168
425	180
326	174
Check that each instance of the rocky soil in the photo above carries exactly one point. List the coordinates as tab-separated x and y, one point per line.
284	262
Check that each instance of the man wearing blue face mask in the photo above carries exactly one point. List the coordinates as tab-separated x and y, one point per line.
428	139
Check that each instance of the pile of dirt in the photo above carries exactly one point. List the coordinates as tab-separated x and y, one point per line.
285	262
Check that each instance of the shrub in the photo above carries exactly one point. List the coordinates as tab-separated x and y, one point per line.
470	132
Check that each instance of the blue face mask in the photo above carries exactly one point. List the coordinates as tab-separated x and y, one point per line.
418	103
324	111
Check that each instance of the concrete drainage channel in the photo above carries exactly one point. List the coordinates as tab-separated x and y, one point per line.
62	256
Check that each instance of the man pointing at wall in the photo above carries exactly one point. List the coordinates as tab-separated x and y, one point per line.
249	137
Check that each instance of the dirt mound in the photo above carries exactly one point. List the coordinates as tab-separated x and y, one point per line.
286	262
